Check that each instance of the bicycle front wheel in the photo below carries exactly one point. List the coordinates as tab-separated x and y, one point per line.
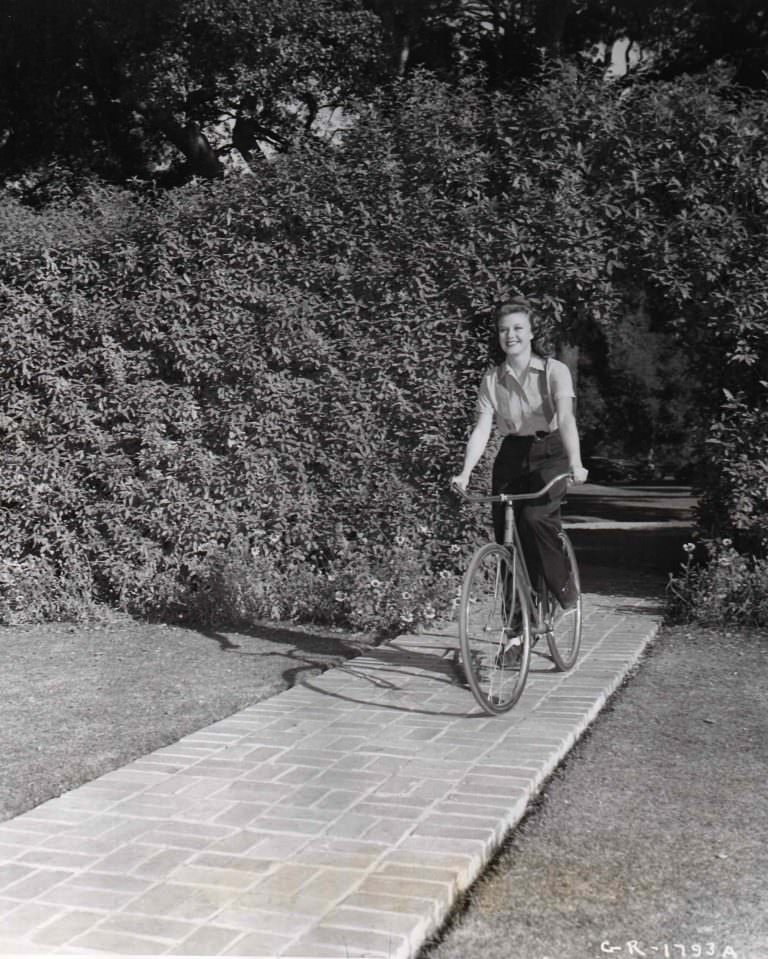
564	626
494	628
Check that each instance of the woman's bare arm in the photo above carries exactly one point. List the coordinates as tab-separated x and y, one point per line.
476	444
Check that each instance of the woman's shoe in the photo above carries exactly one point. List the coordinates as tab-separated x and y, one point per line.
568	597
509	657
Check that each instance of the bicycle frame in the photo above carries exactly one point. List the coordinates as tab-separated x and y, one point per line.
496	645
512	539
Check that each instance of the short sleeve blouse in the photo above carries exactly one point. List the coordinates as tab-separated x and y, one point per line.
527	406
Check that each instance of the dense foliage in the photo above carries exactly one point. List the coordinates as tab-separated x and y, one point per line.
736	501
168	89
718	585
245	398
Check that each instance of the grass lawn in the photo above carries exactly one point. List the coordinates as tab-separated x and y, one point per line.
654	831
78	702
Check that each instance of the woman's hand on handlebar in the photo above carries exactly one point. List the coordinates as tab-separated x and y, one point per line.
461	482
579	475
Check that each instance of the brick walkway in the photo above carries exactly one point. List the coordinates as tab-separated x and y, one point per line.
340	818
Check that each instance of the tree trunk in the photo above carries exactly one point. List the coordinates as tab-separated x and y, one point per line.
202	159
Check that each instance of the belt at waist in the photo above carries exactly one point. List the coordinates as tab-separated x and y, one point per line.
538	435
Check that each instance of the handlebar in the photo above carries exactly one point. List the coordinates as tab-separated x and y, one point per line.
509	497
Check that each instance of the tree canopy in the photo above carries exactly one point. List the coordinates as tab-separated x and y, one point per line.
168	88
116	85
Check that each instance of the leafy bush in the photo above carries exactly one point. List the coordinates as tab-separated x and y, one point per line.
719	586
736	503
31	591
245	399
203	405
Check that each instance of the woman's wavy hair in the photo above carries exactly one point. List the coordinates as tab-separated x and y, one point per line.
540	345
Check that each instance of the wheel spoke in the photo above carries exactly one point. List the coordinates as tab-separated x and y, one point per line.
494	630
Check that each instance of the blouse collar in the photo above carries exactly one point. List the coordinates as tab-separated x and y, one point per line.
537	363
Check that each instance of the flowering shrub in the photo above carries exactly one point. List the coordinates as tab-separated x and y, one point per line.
717	585
387	584
366	587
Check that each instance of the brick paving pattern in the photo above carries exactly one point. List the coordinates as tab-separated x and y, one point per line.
339	818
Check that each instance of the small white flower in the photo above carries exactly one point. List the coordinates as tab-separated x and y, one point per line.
727	543
689	547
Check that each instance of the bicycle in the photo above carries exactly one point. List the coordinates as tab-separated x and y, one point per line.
502	616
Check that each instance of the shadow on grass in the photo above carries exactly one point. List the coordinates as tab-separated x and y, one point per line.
308	652
341	645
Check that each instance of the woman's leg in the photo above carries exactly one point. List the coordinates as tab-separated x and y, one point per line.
540	527
540	523
509	476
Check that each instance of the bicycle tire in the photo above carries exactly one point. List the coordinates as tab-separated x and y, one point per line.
495	659
564	628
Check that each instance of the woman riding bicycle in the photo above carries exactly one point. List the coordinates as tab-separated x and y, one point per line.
531	399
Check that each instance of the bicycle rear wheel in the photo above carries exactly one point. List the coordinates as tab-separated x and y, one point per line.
494	629
564	626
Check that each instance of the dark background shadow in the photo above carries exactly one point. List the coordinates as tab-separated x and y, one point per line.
611	552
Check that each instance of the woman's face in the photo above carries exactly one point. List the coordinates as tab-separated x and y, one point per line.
515	334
